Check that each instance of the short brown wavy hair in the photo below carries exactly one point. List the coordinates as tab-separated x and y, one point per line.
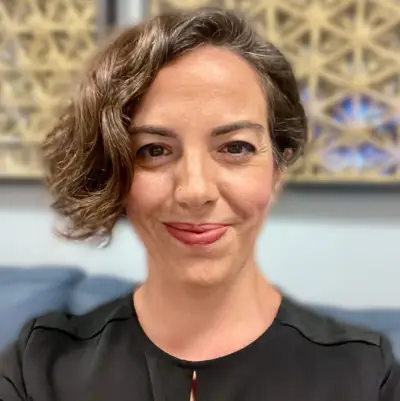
88	162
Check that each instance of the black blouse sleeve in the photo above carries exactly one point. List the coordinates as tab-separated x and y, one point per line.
12	386
390	386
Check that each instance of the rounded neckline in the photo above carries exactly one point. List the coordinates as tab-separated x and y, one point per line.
235	356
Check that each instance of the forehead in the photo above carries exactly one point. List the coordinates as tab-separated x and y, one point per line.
209	82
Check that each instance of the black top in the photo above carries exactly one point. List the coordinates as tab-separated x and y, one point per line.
105	356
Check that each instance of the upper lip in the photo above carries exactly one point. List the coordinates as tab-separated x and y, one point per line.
195	227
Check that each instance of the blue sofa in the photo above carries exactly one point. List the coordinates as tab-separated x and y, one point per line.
33	291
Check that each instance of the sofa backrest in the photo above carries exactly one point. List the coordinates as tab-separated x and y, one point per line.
29	292
26	293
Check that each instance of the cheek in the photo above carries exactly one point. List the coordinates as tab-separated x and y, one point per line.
148	193
258	193
251	192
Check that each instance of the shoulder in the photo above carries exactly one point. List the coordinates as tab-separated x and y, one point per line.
63	342
86	326
349	349
51	334
352	362
323	330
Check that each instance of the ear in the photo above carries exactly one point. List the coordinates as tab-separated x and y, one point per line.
277	183
279	172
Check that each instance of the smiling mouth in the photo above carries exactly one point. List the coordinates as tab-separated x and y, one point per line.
196	234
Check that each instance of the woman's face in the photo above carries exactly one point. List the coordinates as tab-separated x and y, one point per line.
204	172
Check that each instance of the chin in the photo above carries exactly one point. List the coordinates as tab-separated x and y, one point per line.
206	273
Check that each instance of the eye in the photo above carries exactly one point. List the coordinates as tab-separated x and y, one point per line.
152	155
238	148
152	150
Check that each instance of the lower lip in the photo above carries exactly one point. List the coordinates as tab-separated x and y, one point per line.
194	238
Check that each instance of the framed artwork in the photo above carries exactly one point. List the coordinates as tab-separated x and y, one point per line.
42	45
346	56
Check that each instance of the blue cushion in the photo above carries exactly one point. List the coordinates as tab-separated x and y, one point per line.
94	291
29	292
384	320
394	338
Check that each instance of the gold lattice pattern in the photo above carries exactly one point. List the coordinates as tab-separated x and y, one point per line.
346	55
42	45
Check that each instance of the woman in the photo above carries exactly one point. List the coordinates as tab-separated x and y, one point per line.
185	124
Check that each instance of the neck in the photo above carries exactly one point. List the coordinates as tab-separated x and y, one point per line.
204	322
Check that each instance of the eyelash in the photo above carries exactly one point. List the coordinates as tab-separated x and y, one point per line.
246	146
143	149
249	148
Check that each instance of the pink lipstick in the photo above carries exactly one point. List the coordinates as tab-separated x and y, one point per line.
196	234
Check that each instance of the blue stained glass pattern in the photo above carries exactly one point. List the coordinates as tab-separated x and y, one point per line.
363	112
351	114
365	156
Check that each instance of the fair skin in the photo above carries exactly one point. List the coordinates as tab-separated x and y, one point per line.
203	155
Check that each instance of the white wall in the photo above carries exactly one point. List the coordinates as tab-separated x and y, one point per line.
321	246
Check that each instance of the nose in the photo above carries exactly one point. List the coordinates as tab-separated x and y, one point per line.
195	182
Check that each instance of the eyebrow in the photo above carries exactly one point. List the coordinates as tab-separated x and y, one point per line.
217	131
237	126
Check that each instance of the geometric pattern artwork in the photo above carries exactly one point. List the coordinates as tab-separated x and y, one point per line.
43	44
346	57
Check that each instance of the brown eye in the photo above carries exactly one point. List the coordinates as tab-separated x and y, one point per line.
152	151
238	148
